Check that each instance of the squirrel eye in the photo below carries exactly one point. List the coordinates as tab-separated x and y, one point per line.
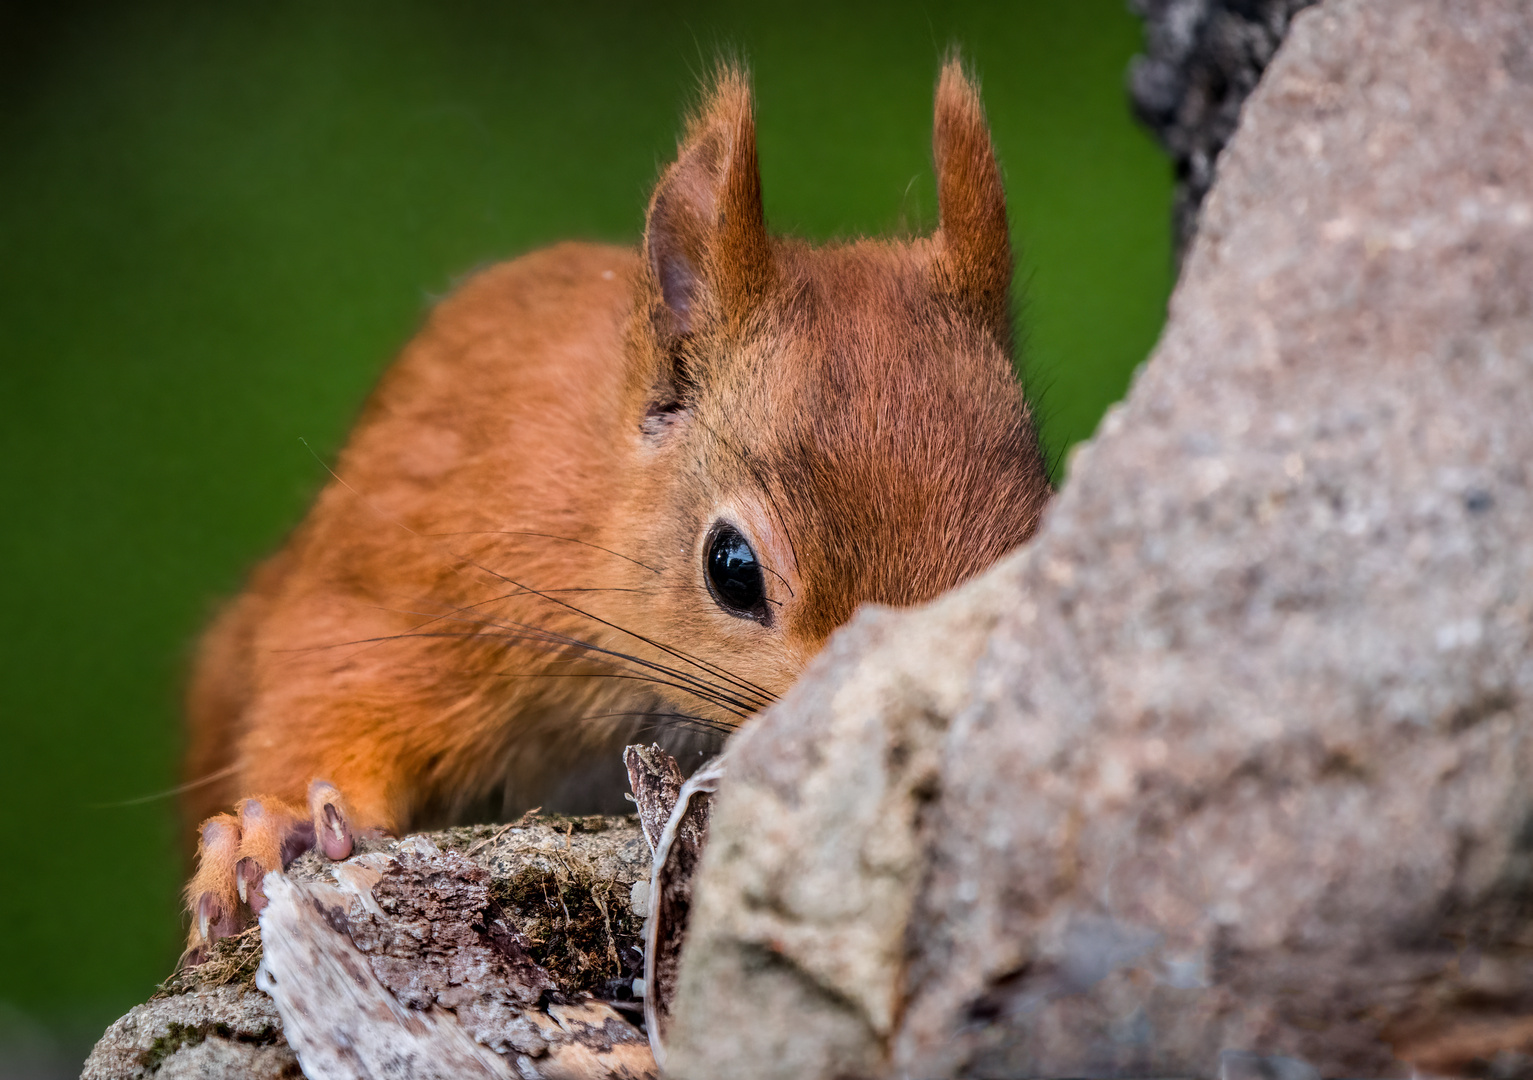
734	574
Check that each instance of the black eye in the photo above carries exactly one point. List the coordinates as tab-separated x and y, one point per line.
735	574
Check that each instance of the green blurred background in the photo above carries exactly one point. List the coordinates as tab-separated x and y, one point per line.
218	221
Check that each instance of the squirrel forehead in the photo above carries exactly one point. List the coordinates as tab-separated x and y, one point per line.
851	318
862	373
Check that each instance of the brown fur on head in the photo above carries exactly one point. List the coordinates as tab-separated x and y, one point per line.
560	467
851	409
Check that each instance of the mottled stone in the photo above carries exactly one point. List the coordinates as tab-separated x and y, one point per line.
1234	756
237	1027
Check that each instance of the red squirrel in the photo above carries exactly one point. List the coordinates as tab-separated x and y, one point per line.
603	484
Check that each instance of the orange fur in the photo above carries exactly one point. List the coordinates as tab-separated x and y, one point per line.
578	419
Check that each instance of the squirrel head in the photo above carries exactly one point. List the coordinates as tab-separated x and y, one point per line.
821	427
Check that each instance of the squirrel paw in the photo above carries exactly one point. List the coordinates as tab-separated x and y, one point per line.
236	852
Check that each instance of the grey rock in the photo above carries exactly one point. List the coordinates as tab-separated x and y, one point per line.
1244	1065
187	1035
216	1058
1234	756
802	906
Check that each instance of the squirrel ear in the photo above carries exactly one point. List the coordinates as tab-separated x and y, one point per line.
973	240
705	237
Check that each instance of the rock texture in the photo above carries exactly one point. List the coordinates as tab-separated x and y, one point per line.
1201	61
1233	758
227	1031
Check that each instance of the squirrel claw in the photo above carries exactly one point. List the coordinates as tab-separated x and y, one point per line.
237	853
212	895
331	825
215	919
248	875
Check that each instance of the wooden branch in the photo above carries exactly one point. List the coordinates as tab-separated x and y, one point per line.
674	814
655	779
677	857
337	1015
405	968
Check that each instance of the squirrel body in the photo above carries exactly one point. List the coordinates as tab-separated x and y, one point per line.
604	487
357	651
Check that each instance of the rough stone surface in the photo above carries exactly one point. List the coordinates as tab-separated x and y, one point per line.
806	896
215	1058
1234	756
237	1026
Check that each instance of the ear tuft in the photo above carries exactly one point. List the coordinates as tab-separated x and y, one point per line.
705	238
974	240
